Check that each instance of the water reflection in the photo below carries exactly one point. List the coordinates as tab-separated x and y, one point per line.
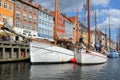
51	72
26	71
92	72
14	71
65	72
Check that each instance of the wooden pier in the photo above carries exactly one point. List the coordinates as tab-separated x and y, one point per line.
13	51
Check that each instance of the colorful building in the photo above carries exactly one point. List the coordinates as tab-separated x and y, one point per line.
6	11
45	24
83	32
26	17
76	31
60	25
69	26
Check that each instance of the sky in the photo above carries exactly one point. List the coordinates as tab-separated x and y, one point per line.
107	12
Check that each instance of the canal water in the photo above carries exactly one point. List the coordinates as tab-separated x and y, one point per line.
69	71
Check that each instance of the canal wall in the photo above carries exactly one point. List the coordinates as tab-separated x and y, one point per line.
13	51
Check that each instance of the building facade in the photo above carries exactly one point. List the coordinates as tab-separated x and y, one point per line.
76	29
60	25
26	17
45	24
68	27
6	11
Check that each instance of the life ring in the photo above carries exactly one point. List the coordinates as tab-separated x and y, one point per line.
22	55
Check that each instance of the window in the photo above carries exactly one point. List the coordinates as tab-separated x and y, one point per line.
5	5
40	21
42	30
48	32
4	18
29	26
18	4
30	9
24	25
17	24
0	16
24	17
35	11
0	3
35	20
11	7
25	7
30	18
34	28
18	14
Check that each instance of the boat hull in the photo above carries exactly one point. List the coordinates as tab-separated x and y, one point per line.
90	57
113	55
45	53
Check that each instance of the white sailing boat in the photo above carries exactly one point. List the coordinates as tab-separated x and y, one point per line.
90	57
44	52
87	56
47	53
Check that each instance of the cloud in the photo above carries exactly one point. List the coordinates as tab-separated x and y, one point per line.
103	21
64	5
111	12
100	2
112	21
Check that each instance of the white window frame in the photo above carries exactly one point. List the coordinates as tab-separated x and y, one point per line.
24	25
18	14
25	7
30	9
29	26
35	20
18	4
4	18
24	17
17	24
30	18
11	7
5	5
35	11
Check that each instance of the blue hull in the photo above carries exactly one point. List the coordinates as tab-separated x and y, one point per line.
113	55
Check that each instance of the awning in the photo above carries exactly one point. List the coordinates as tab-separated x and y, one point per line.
6	33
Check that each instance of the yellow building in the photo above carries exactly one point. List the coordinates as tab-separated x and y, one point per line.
84	35
6	11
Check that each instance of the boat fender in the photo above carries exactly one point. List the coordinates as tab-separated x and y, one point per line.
73	60
22	55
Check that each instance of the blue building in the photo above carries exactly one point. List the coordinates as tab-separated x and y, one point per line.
69	26
45	24
69	29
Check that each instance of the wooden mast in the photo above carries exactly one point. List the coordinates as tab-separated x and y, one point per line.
109	33
56	21
77	28
88	21
95	24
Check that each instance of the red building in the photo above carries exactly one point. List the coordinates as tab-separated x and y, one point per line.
60	25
